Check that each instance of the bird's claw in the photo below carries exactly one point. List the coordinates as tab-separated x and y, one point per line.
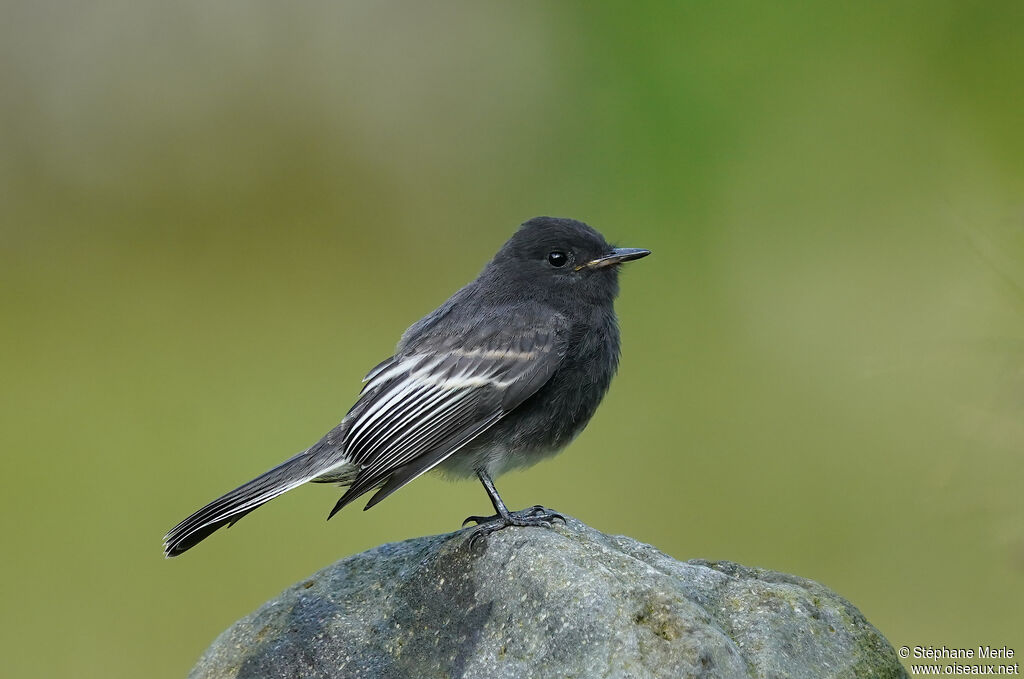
538	516
480	519
549	515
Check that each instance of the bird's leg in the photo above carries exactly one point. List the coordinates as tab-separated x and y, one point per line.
536	515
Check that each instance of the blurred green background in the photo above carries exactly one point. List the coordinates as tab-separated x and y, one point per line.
214	218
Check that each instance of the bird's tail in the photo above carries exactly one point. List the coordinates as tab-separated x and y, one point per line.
230	507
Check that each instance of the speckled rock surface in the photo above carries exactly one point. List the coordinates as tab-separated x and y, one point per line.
534	603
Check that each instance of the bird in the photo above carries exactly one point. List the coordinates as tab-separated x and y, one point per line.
506	372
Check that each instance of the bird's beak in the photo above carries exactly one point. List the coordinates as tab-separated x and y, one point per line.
616	256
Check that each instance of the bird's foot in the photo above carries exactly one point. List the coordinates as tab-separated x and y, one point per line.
537	515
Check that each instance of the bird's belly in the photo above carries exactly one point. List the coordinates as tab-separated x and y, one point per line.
495	459
524	437
546	422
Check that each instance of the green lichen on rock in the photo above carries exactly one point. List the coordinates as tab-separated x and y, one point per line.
533	603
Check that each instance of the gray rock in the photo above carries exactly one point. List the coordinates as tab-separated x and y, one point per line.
532	603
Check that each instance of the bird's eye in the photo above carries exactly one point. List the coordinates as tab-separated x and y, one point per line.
557	259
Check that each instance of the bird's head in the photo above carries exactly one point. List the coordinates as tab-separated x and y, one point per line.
562	259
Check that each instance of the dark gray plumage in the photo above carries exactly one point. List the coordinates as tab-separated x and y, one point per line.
505	372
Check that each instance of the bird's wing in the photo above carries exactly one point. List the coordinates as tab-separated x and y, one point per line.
425	403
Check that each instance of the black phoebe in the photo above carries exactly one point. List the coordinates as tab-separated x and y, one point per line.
507	371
